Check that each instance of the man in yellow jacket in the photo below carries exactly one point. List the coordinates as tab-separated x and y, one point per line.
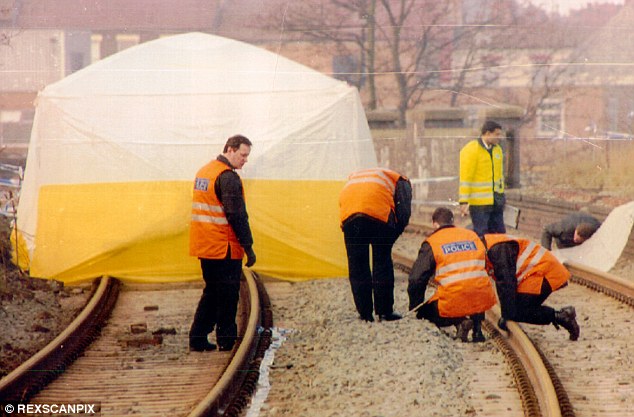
455	258
220	236
375	207
481	192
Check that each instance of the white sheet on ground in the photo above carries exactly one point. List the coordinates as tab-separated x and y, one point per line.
604	248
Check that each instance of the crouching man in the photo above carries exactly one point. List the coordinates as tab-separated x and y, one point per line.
525	274
455	257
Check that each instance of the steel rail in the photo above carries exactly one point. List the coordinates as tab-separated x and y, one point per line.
531	374
609	284
537	372
220	396
40	369
228	396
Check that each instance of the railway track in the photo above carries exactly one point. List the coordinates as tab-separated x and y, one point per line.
127	353
152	373
590	377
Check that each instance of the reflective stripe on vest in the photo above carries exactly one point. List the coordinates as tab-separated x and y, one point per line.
527	254
464	285
534	264
371	192
460	276
377	176
209	218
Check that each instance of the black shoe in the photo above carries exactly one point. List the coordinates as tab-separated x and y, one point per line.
390	317
477	337
462	330
202	347
566	317
502	324
225	348
369	319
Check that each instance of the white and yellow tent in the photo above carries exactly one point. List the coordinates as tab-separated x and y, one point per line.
115	148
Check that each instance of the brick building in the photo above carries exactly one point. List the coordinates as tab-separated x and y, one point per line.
42	41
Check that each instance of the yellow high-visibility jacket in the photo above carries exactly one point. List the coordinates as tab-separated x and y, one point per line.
481	174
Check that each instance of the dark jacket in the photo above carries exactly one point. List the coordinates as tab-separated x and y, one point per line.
228	188
563	231
423	270
402	204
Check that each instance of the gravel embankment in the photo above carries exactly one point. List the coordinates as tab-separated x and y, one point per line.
334	364
32	313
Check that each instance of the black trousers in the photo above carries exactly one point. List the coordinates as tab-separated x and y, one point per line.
529	308
218	304
429	311
487	219
377	282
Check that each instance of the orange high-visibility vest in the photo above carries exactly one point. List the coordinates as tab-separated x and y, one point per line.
464	287
210	234
534	264
370	192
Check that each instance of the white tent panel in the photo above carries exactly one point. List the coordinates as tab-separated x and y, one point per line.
160	110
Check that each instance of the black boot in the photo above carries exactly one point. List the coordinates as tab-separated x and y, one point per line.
566	317
476	335
462	329
390	317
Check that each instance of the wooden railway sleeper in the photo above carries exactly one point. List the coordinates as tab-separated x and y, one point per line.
524	386
46	365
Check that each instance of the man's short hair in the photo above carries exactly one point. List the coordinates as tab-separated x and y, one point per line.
235	141
585	230
490	126
443	216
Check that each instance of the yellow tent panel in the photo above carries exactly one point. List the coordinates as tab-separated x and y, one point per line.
115	147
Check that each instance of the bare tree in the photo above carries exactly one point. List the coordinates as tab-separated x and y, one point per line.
424	45
349	25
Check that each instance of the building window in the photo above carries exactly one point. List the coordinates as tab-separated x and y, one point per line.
550	119
76	61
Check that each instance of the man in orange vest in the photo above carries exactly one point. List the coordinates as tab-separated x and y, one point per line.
525	275
220	236
375	207
455	257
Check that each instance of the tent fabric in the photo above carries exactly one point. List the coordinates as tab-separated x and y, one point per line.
115	147
604	248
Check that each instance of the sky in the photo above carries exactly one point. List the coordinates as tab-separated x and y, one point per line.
564	6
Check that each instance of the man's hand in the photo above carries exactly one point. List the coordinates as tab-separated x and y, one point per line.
464	209
250	256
